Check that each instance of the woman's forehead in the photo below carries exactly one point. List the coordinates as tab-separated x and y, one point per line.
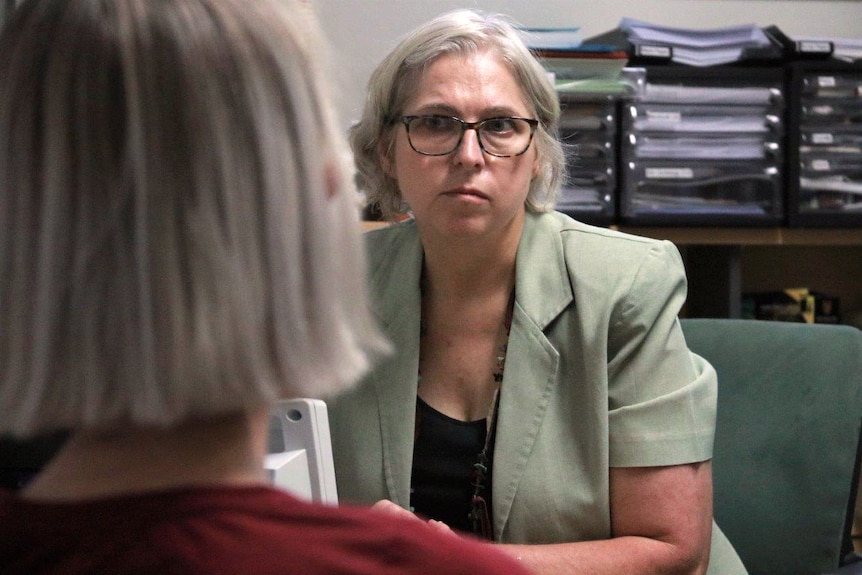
481	80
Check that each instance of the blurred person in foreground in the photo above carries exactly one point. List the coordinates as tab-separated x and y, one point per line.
178	250
541	394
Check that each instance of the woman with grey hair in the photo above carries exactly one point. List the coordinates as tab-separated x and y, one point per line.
541	394
179	249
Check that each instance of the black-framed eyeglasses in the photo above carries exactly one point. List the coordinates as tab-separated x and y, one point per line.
437	135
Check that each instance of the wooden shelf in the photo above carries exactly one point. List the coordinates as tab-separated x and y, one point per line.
751	236
696	236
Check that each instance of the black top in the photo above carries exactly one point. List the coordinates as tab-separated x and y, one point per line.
444	452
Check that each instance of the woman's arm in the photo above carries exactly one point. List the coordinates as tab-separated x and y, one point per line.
661	519
662	523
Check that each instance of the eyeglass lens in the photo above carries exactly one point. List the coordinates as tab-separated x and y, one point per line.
440	135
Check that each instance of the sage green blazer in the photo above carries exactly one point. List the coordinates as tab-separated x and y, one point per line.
597	375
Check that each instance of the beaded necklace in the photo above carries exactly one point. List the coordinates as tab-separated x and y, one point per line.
480	508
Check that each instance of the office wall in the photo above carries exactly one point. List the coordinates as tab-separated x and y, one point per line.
362	31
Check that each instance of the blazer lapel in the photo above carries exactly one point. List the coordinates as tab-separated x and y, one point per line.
542	292
395	285
396	400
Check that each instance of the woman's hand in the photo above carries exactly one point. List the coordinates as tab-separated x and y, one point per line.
386	507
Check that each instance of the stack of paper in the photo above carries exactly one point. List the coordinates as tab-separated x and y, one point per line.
564	55
551	38
697	47
585	62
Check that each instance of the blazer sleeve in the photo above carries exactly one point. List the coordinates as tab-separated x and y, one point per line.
661	396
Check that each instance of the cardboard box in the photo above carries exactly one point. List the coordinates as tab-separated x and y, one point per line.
796	305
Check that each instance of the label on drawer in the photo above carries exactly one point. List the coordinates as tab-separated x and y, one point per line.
652	51
826	81
820	165
814	47
822	138
669	173
675	117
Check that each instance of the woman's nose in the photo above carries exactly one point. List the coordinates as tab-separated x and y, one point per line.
469	151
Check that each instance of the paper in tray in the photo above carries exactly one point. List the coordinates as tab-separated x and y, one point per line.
702	118
729	187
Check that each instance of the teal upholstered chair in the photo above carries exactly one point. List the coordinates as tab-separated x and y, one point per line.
787	440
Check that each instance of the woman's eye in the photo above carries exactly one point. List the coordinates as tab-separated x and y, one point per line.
498	125
436	123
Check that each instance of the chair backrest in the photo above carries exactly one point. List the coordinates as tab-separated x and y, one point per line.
787	439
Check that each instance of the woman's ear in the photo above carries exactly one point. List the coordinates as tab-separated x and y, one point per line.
332	176
388	167
387	161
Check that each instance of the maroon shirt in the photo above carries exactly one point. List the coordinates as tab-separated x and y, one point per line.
221	530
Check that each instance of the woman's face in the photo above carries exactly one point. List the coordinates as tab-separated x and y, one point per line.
466	193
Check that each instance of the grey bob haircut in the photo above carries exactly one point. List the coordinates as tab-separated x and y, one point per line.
179	230
394	81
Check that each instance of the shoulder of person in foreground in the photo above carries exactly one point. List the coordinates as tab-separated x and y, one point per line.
234	530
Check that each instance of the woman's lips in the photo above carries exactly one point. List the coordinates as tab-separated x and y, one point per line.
466	193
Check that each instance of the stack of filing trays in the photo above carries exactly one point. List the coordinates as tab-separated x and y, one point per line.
588	129
704	146
825	187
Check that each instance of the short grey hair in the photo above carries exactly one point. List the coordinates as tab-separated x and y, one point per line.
397	77
179	231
